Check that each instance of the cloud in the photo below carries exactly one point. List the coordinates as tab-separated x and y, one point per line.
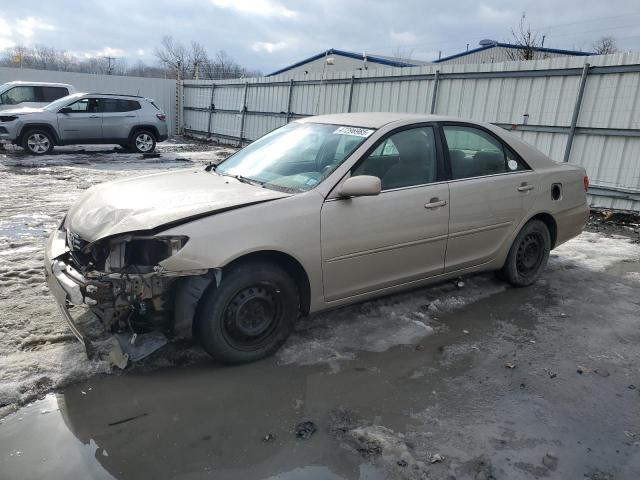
20	30
265	8
105	52
268	47
27	27
403	37
490	14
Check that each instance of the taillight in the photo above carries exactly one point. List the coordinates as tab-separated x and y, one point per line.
585	181
161	116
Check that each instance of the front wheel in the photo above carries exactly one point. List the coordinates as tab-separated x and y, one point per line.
37	142
249	315
143	141
528	255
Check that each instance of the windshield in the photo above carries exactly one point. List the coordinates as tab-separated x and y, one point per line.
61	102
296	157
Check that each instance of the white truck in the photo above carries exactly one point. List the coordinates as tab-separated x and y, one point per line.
32	94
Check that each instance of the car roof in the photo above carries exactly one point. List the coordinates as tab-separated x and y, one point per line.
376	119
39	84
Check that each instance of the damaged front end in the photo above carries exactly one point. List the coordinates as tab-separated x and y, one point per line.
121	280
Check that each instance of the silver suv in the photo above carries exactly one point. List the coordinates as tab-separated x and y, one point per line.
132	122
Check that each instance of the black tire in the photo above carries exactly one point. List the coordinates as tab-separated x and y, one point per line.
250	315
37	142
528	255
143	141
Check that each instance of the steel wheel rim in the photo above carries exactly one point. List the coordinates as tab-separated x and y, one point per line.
144	142
38	143
252	316
530	254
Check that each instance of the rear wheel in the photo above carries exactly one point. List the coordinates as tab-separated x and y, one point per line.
250	315
143	141
37	142
528	255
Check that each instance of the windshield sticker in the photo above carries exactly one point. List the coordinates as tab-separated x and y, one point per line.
355	131
311	182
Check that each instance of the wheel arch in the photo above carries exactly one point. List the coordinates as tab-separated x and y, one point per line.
290	264
150	128
37	126
550	222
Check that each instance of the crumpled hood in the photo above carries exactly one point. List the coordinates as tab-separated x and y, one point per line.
21	111
151	201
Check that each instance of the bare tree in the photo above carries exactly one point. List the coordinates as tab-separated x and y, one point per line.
175	59
605	45
400	54
197	58
173	55
527	41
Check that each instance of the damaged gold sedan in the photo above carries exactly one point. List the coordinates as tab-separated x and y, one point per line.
323	212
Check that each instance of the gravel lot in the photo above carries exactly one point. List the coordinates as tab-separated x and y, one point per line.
481	382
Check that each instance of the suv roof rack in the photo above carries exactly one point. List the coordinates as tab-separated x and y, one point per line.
115	95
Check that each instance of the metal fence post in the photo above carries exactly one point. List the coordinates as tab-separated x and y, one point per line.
289	100
434	97
350	94
244	113
212	107
576	112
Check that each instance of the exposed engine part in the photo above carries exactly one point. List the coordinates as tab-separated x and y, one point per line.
125	286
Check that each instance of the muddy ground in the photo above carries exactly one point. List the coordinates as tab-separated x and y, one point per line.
479	382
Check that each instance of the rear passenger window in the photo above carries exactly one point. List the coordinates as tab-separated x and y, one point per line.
475	153
49	94
405	159
112	105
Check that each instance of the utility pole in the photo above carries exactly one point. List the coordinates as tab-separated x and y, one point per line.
110	59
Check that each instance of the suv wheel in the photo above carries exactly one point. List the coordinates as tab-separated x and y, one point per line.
528	255
250	315
143	141
37	142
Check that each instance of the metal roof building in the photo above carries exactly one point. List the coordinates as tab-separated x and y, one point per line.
490	51
341	60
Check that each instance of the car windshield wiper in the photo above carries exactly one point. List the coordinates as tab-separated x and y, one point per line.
240	178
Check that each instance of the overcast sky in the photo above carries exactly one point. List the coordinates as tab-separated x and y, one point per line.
270	34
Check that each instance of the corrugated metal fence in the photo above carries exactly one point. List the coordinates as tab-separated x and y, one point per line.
161	90
588	115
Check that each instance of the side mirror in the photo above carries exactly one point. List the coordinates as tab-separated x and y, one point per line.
65	110
360	186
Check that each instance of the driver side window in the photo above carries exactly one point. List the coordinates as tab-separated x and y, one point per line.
405	159
86	105
18	95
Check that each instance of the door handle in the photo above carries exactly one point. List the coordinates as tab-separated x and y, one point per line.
94	116
525	187
435	203
130	116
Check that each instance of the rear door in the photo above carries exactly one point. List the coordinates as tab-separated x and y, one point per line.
119	116
83	123
396	237
491	190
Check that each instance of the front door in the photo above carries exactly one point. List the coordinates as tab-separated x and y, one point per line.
490	191
83	123
396	237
